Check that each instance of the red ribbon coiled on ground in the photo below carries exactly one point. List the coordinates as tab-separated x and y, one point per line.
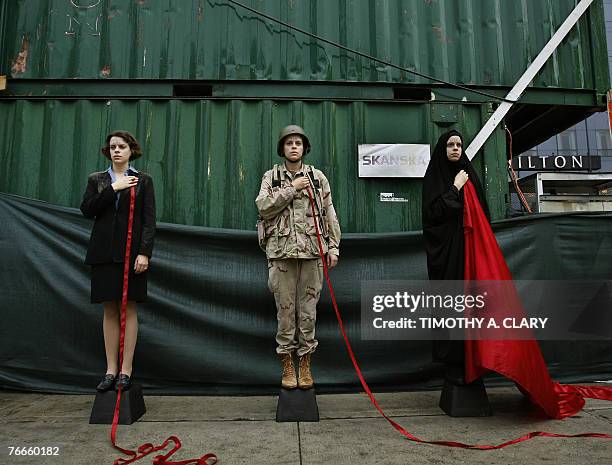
147	448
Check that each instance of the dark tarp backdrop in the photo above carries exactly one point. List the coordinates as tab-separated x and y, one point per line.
210	321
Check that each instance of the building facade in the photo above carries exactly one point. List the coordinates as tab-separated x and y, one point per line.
589	137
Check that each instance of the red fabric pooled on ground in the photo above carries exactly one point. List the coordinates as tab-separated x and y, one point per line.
519	360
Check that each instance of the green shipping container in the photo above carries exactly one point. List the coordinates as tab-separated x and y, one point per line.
206	85
207	155
473	42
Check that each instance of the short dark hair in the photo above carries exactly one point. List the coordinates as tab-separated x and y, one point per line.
131	141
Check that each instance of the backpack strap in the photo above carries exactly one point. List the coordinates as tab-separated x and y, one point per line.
318	199
313	180
276	177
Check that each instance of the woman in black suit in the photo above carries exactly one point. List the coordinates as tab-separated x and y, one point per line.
107	201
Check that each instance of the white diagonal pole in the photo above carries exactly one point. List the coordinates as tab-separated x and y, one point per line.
515	94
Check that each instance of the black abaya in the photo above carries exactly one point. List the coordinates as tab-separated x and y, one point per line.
443	233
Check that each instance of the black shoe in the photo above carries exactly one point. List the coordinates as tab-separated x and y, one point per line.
107	382
124	382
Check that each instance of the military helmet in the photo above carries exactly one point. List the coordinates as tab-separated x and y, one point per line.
288	131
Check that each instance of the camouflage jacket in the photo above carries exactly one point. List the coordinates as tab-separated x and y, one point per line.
287	215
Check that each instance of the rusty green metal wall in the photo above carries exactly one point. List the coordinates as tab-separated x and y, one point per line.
474	42
207	157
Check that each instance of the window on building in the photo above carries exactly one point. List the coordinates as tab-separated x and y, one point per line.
566	141
604	142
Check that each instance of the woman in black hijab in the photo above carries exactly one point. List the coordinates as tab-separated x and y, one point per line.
448	171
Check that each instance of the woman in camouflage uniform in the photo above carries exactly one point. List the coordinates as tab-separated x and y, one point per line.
288	236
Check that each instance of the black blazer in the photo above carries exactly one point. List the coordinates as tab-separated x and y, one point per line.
108	237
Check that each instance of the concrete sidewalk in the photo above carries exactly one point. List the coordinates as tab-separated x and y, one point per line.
242	430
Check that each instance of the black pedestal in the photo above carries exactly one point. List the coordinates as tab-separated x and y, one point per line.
131	409
465	400
297	405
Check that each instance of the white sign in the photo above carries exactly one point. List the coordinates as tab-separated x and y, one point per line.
391	197
393	160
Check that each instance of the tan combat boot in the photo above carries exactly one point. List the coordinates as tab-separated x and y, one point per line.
306	380
289	380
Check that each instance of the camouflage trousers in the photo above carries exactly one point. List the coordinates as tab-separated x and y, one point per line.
296	285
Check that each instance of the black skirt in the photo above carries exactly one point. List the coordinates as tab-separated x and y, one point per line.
107	283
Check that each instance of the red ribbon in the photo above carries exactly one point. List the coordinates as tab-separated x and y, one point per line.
393	423
147	448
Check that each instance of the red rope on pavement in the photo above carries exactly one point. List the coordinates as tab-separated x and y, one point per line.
366	388
147	448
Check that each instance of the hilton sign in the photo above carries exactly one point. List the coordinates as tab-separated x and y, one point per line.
556	163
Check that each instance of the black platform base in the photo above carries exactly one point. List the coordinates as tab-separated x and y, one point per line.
131	409
465	400
297	405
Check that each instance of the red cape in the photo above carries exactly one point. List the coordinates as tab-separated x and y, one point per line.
519	360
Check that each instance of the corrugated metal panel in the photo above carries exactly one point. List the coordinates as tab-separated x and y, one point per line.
207	157
482	42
